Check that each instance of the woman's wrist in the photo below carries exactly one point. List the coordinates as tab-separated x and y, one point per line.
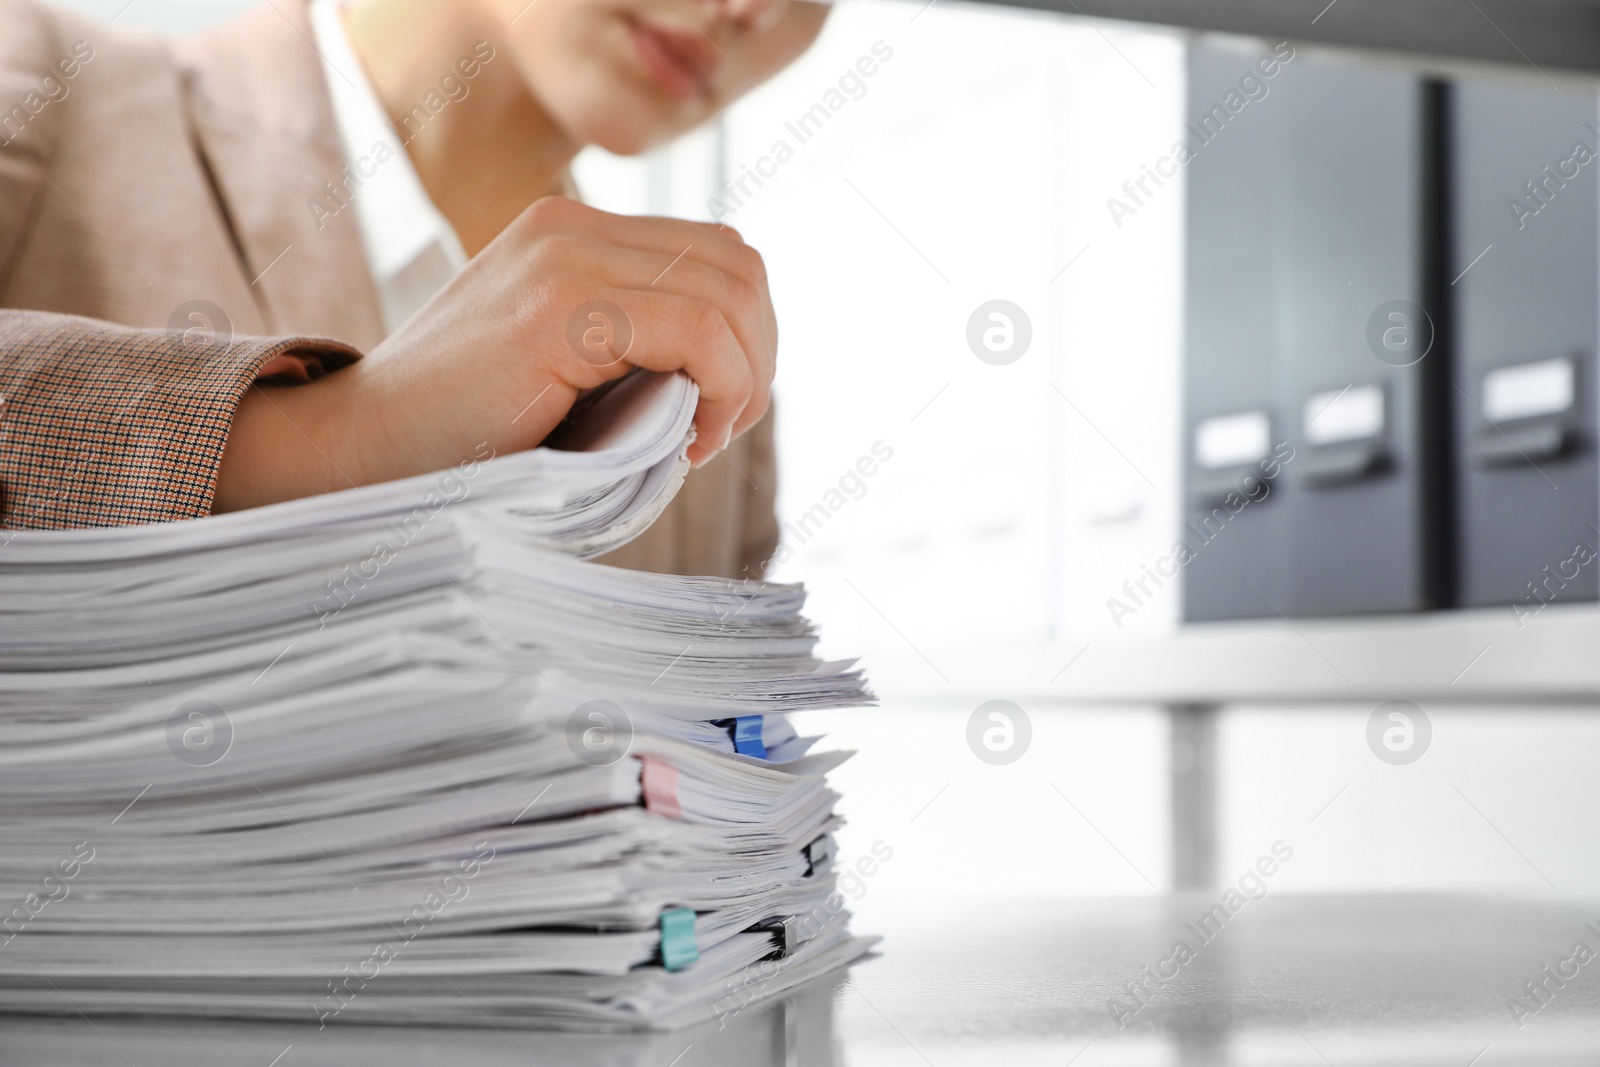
289	441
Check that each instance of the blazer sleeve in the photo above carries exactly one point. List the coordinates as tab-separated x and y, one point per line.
104	425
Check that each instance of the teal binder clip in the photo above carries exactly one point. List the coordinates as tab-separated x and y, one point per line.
678	948
747	737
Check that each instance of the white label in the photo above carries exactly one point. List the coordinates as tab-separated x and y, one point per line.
1542	388
1232	440
1348	414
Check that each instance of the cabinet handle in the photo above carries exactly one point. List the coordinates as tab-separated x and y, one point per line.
1513	446
1336	465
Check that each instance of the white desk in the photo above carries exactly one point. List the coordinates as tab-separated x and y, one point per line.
1350	981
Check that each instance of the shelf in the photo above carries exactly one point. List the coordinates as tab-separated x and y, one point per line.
1459	657
1558	34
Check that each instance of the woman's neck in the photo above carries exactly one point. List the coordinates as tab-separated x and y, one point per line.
484	156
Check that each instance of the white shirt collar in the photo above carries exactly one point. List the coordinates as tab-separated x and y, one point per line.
411	248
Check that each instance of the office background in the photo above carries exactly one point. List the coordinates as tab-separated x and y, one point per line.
976	163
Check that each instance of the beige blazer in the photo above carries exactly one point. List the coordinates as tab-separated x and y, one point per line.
143	178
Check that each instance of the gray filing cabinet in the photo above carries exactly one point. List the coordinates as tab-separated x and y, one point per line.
1312	216
1526	224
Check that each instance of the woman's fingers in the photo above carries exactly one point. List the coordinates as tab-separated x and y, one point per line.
671	241
694	295
714	243
741	304
675	332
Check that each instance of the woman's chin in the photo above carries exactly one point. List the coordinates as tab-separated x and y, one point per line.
635	118
631	138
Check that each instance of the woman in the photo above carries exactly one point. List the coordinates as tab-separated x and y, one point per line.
280	194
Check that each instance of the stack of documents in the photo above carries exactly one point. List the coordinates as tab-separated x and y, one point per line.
398	754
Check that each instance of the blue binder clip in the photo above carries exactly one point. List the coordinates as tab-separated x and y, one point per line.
678	948
747	737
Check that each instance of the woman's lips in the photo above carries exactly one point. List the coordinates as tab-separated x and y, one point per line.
680	64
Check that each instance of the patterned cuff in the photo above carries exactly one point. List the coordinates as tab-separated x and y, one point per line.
102	425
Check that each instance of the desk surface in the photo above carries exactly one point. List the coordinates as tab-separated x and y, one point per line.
1288	980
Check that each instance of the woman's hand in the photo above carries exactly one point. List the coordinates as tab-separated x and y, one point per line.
567	298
